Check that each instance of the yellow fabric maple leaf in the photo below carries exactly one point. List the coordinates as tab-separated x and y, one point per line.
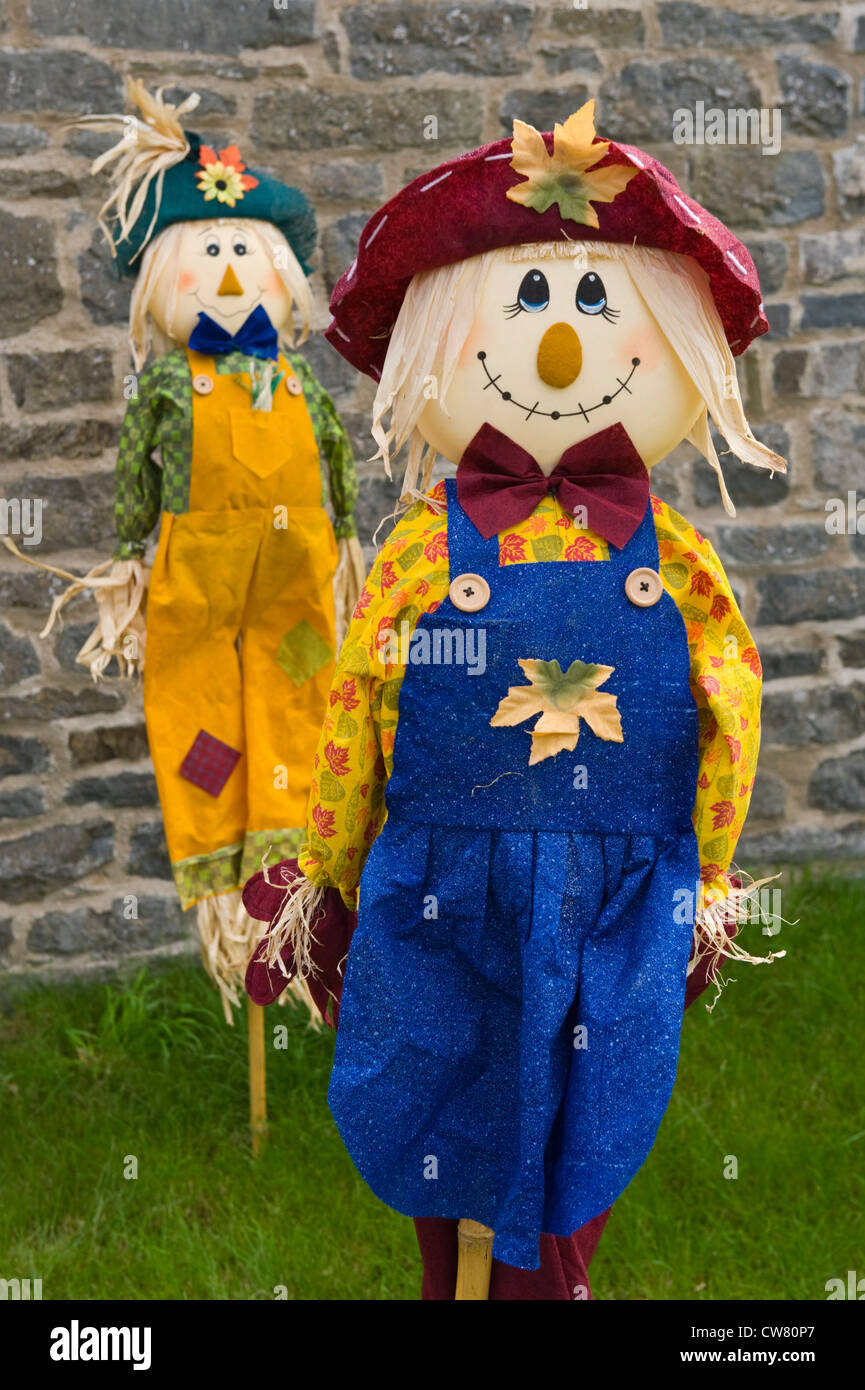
565	176
561	698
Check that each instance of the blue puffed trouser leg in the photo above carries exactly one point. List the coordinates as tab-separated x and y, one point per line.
514	990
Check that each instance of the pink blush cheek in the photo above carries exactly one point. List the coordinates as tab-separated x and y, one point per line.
270	282
478	334
645	343
187	280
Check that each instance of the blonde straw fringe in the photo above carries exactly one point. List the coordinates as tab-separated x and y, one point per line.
120	599
710	936
146	150
228	937
347	583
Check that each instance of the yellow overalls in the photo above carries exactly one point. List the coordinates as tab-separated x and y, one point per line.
240	633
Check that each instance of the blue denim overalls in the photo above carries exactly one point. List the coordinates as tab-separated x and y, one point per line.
513	996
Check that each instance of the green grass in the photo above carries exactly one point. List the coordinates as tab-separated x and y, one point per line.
146	1067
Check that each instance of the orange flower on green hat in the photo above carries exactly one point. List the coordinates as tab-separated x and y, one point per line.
223	176
566	177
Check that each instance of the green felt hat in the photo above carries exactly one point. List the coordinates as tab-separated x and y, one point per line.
166	174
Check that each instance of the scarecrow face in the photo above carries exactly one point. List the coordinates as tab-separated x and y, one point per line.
224	269
560	349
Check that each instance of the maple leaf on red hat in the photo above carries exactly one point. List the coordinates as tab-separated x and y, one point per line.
566	177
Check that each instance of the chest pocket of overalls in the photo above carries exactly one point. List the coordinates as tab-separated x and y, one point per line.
260	440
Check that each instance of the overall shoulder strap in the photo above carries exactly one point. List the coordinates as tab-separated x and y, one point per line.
468	552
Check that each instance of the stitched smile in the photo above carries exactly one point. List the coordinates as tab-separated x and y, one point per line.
584	410
218	309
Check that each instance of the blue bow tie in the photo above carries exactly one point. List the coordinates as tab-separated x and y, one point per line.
256	337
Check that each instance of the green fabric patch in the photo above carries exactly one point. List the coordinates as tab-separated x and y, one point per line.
206	874
282	844
302	652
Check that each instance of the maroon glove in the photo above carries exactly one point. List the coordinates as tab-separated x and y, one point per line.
333	931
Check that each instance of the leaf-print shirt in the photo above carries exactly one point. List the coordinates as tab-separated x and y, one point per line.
411	577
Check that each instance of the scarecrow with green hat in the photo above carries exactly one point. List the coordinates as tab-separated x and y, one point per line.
222	446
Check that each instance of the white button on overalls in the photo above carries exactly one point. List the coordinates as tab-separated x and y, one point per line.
644	587
293	386
469	593
202	384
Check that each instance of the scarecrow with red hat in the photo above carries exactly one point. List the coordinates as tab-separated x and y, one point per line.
544	722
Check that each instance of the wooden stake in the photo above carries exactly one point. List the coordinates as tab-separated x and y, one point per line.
257	1075
474	1260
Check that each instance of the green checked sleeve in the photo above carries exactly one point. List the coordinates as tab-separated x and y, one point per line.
159	416
334	447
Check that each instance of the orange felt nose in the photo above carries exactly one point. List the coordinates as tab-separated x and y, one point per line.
230	283
560	355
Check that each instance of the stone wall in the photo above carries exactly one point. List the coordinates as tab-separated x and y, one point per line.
336	98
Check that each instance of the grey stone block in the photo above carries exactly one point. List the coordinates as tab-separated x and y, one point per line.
769	797
686	25
615	28
770	258
851	648
104	294
20	138
48	704
849	168
815	97
819	596
832	255
148	852
46	79
126	741
344	181
28	273
77	512
68	439
838	784
187	26
123	789
638	102
18	658
570	58
51	380
21	804
86	930
783	662
837	447
821	369
399	40
304	119
541	108
803	718
833	311
765	190
21	755
788	544
41	862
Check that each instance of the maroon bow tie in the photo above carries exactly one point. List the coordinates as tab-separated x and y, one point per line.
499	484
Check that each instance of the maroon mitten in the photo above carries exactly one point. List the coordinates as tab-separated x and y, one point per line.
332	933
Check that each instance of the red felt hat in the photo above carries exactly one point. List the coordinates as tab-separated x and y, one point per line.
566	184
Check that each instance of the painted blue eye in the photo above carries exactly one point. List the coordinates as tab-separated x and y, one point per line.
534	293
212	248
591	295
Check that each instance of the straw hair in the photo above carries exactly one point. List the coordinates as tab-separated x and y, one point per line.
146	149
161	259
436	318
